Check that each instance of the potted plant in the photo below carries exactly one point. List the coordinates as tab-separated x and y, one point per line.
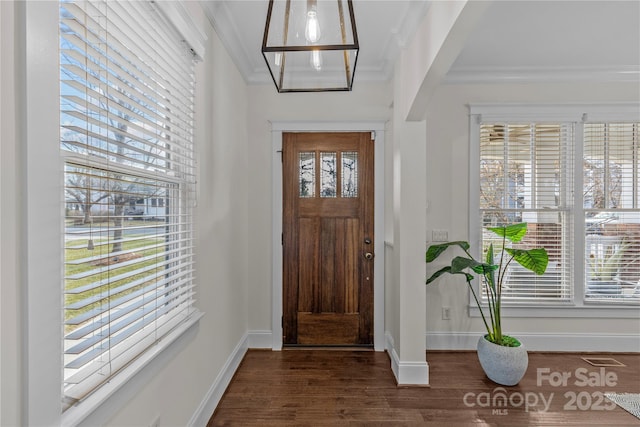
607	259
503	358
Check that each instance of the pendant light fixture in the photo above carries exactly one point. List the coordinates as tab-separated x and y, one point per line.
311	45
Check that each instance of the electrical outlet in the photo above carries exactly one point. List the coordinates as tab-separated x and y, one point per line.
439	235
446	313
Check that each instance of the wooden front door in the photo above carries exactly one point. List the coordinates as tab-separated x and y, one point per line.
328	238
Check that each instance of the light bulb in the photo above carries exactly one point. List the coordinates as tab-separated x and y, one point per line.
312	28
316	60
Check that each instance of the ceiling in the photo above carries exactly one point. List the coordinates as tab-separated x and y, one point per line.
516	40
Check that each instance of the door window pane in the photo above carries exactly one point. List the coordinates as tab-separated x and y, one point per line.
328	174
307	174
350	174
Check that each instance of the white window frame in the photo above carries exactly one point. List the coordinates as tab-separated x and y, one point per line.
41	257
529	113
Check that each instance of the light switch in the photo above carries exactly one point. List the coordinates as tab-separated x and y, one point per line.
439	235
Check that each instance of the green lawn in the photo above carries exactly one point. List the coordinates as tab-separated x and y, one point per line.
100	255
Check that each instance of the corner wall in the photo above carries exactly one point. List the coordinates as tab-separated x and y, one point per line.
420	68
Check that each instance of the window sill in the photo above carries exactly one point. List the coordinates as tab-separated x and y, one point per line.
151	361
568	310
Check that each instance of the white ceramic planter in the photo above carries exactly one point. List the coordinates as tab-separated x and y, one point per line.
503	365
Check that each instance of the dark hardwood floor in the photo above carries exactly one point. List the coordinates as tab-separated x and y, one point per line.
357	388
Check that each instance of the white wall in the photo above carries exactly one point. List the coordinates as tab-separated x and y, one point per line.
447	193
406	323
10	343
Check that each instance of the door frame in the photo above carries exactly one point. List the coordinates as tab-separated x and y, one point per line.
277	129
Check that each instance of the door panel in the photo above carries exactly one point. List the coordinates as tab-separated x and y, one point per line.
328	329
327	230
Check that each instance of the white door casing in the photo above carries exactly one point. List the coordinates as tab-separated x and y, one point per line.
277	128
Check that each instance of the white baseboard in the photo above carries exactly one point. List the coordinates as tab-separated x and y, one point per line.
217	389
389	345
260	339
252	339
541	342
406	373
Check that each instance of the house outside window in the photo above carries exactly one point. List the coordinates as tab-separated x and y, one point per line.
572	173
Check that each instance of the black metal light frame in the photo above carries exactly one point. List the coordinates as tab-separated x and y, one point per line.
278	72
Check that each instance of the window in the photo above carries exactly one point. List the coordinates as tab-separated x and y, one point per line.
612	214
523	168
126	135
330	174
576	182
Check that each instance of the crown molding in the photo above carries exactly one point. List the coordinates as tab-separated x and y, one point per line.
225	27
592	74
254	71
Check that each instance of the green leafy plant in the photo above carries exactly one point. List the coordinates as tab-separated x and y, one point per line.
492	272
609	265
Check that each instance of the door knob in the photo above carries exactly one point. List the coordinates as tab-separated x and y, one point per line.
368	255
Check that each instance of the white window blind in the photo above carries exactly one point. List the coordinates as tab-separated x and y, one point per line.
127	89
612	211
525	169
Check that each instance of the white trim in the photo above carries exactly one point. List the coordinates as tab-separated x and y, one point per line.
222	22
591	310
564	342
86	161
40	186
100	406
379	231
208	405
485	75
389	346
363	126
558	112
577	201
260	339
276	244
406	373
413	373
180	18
277	128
